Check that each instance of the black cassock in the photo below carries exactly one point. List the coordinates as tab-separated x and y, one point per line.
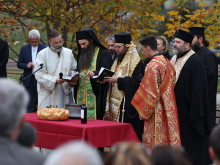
192	104
130	85
211	68
100	90
4	55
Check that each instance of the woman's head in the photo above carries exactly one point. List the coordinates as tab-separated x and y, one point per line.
129	154
162	44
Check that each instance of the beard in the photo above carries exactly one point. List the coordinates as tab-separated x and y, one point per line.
112	52
196	47
120	57
179	51
86	56
58	49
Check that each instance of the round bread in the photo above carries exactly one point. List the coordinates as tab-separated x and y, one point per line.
52	114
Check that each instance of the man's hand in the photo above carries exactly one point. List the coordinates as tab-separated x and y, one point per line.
30	65
73	81
110	79
90	74
60	81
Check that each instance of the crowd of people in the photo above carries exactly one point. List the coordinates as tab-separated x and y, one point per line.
170	101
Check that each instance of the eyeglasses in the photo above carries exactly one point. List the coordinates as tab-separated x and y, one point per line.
118	47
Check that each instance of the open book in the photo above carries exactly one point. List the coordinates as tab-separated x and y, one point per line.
70	75
103	73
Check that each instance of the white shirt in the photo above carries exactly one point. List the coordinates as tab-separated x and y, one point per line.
34	53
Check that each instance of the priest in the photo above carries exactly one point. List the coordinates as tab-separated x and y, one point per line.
92	55
191	98
129	71
209	60
55	59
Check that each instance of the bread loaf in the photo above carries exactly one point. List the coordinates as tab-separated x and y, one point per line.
52	114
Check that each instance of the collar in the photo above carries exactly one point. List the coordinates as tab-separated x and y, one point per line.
157	54
181	55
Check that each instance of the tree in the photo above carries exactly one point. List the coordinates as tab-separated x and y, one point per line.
204	16
105	17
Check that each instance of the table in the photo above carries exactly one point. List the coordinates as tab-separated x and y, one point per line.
51	134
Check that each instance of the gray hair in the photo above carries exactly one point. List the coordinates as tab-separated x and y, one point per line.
13	105
110	38
73	152
34	34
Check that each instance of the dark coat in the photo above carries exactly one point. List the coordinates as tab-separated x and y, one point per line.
14	154
192	105
4	55
25	57
210	63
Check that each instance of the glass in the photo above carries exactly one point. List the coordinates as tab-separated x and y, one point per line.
118	47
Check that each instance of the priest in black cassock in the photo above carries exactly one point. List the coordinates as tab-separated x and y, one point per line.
209	59
129	71
92	55
191	98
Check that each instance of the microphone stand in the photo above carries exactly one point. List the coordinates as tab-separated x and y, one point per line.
22	79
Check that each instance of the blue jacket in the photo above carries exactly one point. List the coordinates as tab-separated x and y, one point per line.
25	57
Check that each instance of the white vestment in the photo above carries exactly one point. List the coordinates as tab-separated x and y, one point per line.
46	77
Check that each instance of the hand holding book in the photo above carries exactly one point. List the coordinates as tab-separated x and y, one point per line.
70	76
103	73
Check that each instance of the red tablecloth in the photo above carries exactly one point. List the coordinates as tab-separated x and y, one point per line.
98	133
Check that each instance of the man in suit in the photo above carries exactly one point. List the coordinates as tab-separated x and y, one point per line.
26	61
13	103
4	54
110	41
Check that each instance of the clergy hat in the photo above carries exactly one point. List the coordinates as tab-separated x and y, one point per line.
123	38
199	31
83	34
184	35
87	34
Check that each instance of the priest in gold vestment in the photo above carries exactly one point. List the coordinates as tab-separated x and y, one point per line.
123	84
155	99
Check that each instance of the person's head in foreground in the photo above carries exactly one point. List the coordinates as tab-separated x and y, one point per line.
74	153
169	155
13	105
27	136
127	153
214	148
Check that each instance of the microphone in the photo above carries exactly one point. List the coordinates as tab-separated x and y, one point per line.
24	78
61	75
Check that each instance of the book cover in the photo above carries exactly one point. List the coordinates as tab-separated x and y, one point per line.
103	73
70	76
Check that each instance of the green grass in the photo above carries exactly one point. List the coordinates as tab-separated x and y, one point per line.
14	76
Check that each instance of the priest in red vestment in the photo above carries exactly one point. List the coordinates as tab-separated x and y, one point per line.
155	99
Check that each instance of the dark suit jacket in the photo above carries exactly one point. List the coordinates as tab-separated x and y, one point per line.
25	57
4	55
12	153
